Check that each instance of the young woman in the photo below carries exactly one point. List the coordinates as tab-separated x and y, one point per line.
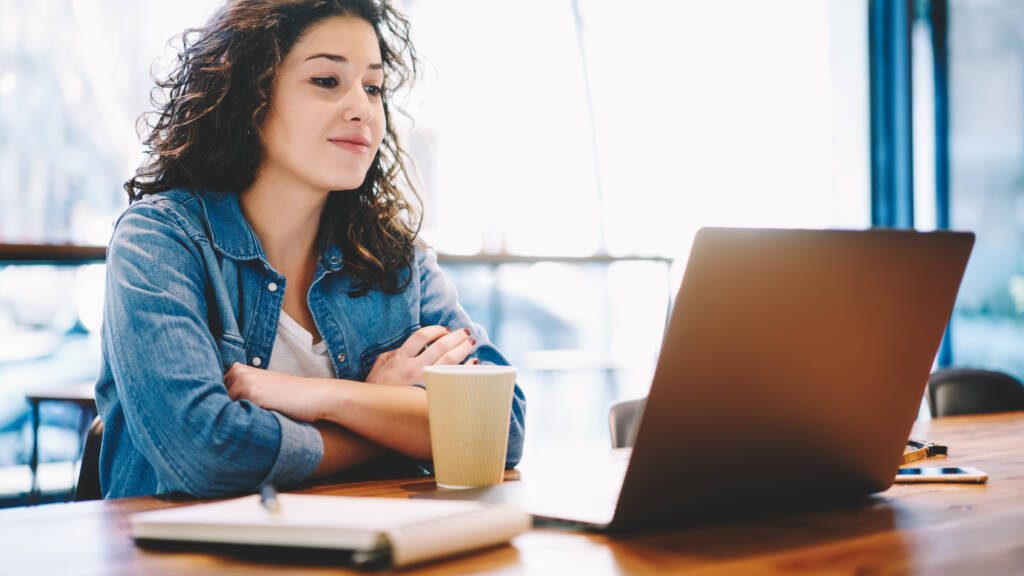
269	308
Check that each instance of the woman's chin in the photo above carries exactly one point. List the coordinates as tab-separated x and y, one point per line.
339	184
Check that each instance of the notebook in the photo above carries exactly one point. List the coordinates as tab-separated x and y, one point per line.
391	531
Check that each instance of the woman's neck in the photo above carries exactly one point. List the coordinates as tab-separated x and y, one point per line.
285	214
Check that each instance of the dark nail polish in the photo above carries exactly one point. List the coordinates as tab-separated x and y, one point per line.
476	360
472	342
467	331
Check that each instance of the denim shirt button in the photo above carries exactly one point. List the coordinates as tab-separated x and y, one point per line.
272	286
256	361
341	357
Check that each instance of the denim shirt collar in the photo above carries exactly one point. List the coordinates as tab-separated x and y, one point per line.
231	234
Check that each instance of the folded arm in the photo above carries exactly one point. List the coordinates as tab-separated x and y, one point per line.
386	409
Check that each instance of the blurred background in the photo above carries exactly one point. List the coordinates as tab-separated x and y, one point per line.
568	150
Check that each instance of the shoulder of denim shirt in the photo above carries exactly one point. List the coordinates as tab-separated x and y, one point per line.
421	253
205	215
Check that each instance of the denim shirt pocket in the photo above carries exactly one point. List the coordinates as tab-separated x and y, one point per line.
371	353
232	349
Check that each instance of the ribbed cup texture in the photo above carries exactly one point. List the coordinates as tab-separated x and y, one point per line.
469	409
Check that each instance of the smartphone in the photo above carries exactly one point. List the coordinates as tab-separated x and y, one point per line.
941	474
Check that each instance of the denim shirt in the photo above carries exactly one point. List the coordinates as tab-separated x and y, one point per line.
189	292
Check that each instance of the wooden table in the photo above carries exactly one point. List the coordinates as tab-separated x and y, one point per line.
937	528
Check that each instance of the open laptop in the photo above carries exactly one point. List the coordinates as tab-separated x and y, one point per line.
790	374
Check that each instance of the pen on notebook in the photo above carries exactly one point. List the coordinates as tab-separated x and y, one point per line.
268	498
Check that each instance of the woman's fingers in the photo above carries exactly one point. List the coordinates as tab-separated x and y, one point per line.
446	345
420	339
426	346
457	354
232	380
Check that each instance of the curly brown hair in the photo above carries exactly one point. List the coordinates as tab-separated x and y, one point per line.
205	131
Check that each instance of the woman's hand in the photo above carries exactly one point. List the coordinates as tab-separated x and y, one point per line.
296	397
427	346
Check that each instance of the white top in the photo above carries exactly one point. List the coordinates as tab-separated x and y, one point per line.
294	352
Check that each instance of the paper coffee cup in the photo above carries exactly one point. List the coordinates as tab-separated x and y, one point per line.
469	409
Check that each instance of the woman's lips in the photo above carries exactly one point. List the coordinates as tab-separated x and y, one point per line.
355	146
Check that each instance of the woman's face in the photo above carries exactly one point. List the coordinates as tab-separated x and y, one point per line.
326	118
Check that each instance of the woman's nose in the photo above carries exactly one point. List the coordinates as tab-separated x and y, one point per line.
357	105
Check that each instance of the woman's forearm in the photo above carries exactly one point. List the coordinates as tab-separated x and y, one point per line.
389	416
342	449
392	416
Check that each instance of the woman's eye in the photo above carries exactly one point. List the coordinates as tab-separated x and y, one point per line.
325	82
374	90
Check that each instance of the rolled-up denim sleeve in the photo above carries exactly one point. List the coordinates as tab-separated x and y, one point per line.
169	377
439	304
301	451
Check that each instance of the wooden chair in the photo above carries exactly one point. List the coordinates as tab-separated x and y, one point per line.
956	391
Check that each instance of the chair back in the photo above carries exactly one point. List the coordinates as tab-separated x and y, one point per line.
624	420
88	485
966	391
